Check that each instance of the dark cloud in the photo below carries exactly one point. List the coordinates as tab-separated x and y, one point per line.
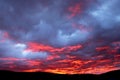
35	19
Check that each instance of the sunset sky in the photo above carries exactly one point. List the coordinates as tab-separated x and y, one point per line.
60	36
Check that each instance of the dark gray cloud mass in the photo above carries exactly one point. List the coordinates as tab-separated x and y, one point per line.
43	20
94	24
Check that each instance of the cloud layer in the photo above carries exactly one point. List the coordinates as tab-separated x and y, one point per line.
60	36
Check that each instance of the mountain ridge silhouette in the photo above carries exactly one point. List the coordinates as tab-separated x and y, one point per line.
10	75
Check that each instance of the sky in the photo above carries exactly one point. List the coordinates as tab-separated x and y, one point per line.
60	36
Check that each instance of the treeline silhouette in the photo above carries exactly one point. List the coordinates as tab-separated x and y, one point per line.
9	75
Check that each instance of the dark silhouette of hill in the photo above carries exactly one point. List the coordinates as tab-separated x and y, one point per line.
112	75
9	75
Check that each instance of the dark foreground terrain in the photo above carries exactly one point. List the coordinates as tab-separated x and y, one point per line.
9	75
